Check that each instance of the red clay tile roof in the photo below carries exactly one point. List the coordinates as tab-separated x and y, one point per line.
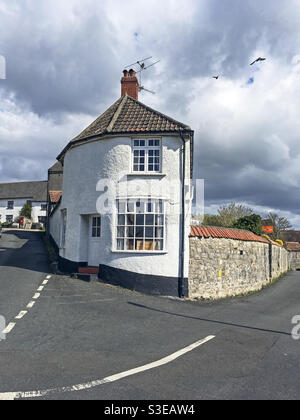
219	232
293	246
128	116
55	196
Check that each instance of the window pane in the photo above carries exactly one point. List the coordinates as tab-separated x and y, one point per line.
159	232
130	207
129	245
149	245
121	232
120	244
159	245
121	220
159	206
149	232
130	219
139	231
150	207
159	220
121	207
130	232
140	207
140	219
150	219
139	245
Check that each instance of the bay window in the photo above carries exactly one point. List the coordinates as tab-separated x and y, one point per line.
140	225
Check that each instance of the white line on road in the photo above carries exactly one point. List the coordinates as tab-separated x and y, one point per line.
30	304
109	379
9	328
40	288
45	282
21	314
48	277
36	296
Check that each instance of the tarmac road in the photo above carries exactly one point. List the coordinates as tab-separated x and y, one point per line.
77	333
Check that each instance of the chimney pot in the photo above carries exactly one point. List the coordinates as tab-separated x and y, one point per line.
130	84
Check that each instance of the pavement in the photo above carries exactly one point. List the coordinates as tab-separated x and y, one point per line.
93	341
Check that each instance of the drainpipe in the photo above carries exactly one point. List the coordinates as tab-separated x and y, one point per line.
182	240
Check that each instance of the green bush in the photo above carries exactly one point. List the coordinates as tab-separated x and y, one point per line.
252	223
6	224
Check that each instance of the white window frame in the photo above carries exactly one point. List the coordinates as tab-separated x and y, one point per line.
11	217
97	229
147	148
130	242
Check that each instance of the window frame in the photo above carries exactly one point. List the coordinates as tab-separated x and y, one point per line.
146	148
130	230
97	228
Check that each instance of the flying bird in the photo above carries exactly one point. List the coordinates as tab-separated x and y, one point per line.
257	60
216	77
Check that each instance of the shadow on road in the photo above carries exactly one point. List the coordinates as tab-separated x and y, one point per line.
23	249
210	320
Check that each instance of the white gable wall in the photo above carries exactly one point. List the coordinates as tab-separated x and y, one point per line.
110	159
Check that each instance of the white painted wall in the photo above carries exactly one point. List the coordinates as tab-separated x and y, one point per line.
18	205
110	158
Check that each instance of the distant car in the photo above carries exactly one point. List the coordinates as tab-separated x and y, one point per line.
0	230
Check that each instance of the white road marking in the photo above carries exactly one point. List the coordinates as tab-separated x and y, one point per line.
30	304
45	282
9	328
81	387
21	314
48	277
40	288
36	296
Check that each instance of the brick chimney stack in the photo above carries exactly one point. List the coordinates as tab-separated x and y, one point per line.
130	84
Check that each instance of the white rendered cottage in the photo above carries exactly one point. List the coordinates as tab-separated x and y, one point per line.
14	195
125	207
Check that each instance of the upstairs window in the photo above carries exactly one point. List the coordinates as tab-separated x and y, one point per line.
10	205
147	156
141	225
43	207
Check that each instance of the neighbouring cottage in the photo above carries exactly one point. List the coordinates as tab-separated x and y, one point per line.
13	196
125	206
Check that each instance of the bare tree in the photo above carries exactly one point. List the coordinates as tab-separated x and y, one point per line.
280	224
232	212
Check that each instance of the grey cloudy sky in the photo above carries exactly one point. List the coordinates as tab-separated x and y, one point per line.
65	60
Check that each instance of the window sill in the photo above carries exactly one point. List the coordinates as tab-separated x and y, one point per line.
114	251
146	174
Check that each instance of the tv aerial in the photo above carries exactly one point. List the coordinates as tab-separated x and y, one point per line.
143	67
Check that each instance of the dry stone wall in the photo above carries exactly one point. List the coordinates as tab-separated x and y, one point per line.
222	267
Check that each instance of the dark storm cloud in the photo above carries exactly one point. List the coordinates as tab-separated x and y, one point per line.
59	67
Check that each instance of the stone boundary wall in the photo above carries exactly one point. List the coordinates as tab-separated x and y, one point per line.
221	267
294	260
